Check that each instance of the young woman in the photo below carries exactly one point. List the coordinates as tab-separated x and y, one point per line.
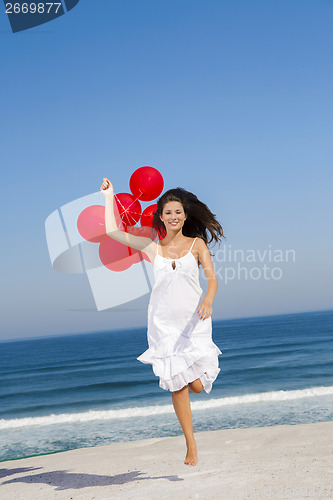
181	349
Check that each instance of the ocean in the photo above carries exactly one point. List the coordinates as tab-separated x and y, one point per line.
66	392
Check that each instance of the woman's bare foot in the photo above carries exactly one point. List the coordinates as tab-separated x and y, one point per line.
191	455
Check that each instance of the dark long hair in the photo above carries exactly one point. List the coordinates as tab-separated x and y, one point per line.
200	220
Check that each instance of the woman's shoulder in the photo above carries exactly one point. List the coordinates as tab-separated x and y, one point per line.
199	241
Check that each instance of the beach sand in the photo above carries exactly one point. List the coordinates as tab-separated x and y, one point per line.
285	461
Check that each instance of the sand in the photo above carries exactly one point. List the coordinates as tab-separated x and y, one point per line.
285	461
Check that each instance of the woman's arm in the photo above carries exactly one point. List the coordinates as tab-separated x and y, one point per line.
142	243
205	309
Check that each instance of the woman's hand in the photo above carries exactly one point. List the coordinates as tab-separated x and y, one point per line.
106	187
205	309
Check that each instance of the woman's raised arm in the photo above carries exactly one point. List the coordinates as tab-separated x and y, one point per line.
142	243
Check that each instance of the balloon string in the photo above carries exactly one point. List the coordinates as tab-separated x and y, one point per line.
127	209
136	199
129	248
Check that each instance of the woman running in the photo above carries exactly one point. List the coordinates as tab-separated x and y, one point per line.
181	350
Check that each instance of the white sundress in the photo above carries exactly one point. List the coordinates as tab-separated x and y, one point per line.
181	348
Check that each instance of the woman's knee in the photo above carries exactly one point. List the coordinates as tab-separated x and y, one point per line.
196	386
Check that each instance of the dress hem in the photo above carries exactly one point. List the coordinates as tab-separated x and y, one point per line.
204	366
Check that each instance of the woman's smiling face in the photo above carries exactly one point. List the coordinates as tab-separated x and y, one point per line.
173	215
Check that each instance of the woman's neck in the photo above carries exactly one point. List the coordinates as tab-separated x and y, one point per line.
175	238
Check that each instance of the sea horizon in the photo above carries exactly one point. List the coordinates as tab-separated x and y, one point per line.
214	320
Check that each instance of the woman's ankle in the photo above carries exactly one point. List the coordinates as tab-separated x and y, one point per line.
190	442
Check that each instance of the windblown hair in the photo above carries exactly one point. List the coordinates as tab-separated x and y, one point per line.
200	220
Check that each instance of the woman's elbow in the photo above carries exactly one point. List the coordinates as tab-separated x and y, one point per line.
114	234
111	230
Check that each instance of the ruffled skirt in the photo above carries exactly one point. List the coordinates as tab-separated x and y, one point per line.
180	360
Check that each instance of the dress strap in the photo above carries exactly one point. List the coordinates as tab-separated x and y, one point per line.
158	244
192	244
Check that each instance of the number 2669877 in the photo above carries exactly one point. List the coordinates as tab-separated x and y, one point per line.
33	8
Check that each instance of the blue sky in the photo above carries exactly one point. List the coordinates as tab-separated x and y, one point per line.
230	100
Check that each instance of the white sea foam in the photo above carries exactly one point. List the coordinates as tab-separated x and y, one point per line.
164	409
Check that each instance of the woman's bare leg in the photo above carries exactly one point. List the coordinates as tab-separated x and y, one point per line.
182	406
196	386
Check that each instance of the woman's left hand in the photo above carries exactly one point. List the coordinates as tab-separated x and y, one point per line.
205	309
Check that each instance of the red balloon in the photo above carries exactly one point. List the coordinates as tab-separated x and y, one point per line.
147	215
91	223
129	208
116	256
146	183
